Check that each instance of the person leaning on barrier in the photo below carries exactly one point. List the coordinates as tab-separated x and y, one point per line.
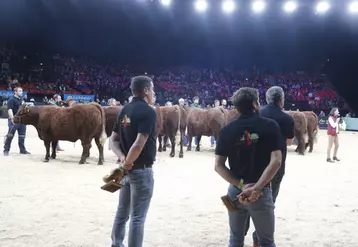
13	106
133	141
252	144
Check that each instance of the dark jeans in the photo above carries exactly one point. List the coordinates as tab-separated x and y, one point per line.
275	183
21	131
262	214
134	201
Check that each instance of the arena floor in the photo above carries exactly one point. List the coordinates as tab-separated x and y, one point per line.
60	204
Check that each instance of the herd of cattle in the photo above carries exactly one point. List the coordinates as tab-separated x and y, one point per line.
86	122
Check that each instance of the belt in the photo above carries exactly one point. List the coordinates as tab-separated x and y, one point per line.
141	166
242	184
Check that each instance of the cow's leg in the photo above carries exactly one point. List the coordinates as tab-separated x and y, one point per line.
190	137
310	140
172	141
181	143
165	141
86	145
47	146
53	151
89	151
100	150
198	144
160	148
301	144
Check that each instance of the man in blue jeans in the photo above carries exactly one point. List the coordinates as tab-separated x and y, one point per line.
56	100
212	138
13	106
253	146
275	98
133	141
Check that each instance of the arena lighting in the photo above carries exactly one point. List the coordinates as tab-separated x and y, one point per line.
322	7
258	6
201	5
166	2
353	7
228	6
290	6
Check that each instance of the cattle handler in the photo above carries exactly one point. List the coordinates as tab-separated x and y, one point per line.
253	146
13	106
56	100
133	141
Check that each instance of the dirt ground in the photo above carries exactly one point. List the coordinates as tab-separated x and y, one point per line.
60	203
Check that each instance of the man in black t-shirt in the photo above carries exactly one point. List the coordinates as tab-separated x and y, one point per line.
133	141
275	98
13	106
253	146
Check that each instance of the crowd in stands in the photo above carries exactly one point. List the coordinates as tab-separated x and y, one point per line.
50	74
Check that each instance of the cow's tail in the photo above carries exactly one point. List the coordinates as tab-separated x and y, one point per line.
103	137
178	135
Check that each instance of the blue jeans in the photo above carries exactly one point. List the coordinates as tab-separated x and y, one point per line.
134	201
276	183
21	132
212	140
186	140
262	214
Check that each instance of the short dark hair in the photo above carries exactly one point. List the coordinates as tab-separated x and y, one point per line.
244	98
138	84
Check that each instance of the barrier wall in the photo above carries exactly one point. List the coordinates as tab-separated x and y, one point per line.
78	97
9	93
352	123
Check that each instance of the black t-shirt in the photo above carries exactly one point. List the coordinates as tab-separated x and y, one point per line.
248	142
14	104
137	117
285	123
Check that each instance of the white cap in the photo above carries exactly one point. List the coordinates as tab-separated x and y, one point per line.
181	100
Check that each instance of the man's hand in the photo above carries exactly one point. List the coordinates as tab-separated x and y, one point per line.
12	120
249	194
127	167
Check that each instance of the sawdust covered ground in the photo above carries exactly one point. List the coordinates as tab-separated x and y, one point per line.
60	203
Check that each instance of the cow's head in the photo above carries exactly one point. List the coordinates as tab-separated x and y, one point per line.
24	115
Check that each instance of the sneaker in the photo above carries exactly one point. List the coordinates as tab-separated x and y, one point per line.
336	159
330	160
6	153
25	152
59	149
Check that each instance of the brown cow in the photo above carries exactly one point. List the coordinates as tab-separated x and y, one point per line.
174	124
79	122
111	113
206	122
300	130
231	115
312	128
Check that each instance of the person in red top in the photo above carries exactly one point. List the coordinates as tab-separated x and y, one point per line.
332	131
